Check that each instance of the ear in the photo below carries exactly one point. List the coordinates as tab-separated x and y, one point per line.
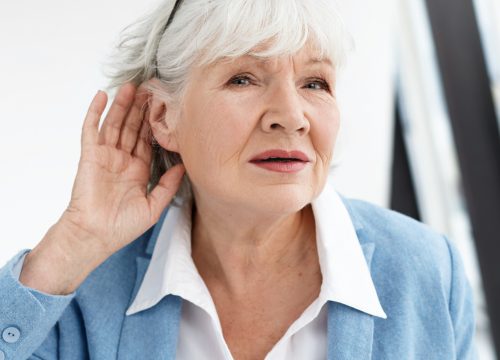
162	122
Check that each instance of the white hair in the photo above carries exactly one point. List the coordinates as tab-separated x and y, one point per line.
205	31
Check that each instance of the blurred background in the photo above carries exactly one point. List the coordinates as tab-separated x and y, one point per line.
419	98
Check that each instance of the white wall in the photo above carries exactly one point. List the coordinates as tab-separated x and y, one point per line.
366	91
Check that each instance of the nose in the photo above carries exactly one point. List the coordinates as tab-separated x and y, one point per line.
285	112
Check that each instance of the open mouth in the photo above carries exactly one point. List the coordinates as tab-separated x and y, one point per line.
283	161
281	164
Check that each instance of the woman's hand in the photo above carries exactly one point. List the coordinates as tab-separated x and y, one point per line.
109	205
109	200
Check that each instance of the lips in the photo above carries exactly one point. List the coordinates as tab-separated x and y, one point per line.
281	161
278	155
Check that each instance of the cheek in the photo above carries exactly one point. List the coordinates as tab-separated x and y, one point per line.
234	121
213	137
323	136
233	132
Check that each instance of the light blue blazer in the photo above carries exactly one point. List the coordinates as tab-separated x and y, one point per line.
417	273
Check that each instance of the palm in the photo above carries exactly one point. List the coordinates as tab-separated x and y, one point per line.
110	189
109	197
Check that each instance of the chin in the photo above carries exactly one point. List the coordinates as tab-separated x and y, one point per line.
281	199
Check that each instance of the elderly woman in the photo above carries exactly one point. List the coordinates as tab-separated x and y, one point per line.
237	249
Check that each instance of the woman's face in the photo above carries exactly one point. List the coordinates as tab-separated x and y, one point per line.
235	112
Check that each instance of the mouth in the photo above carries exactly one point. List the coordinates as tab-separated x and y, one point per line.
281	160
281	156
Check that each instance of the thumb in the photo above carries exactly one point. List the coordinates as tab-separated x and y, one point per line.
165	190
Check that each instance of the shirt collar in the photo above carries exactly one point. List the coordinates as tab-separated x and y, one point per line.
346	276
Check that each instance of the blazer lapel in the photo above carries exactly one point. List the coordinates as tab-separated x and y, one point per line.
151	333
350	331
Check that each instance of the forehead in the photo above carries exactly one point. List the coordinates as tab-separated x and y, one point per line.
307	56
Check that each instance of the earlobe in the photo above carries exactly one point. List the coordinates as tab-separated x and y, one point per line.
162	125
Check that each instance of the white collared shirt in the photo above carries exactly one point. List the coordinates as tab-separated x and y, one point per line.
346	279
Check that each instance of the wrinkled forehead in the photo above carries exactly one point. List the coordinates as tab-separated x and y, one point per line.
308	56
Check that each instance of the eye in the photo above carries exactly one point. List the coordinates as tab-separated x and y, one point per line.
318	84
240	80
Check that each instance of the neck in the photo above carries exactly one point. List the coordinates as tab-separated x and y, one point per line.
238	248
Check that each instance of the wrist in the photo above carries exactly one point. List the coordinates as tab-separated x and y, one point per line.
60	262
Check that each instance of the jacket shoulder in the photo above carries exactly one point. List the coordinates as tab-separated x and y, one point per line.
393	230
408	251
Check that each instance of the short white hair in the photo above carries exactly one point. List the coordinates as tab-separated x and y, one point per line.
205	31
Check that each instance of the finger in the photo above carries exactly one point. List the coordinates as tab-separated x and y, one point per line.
91	123
163	193
142	148
131	129
110	129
